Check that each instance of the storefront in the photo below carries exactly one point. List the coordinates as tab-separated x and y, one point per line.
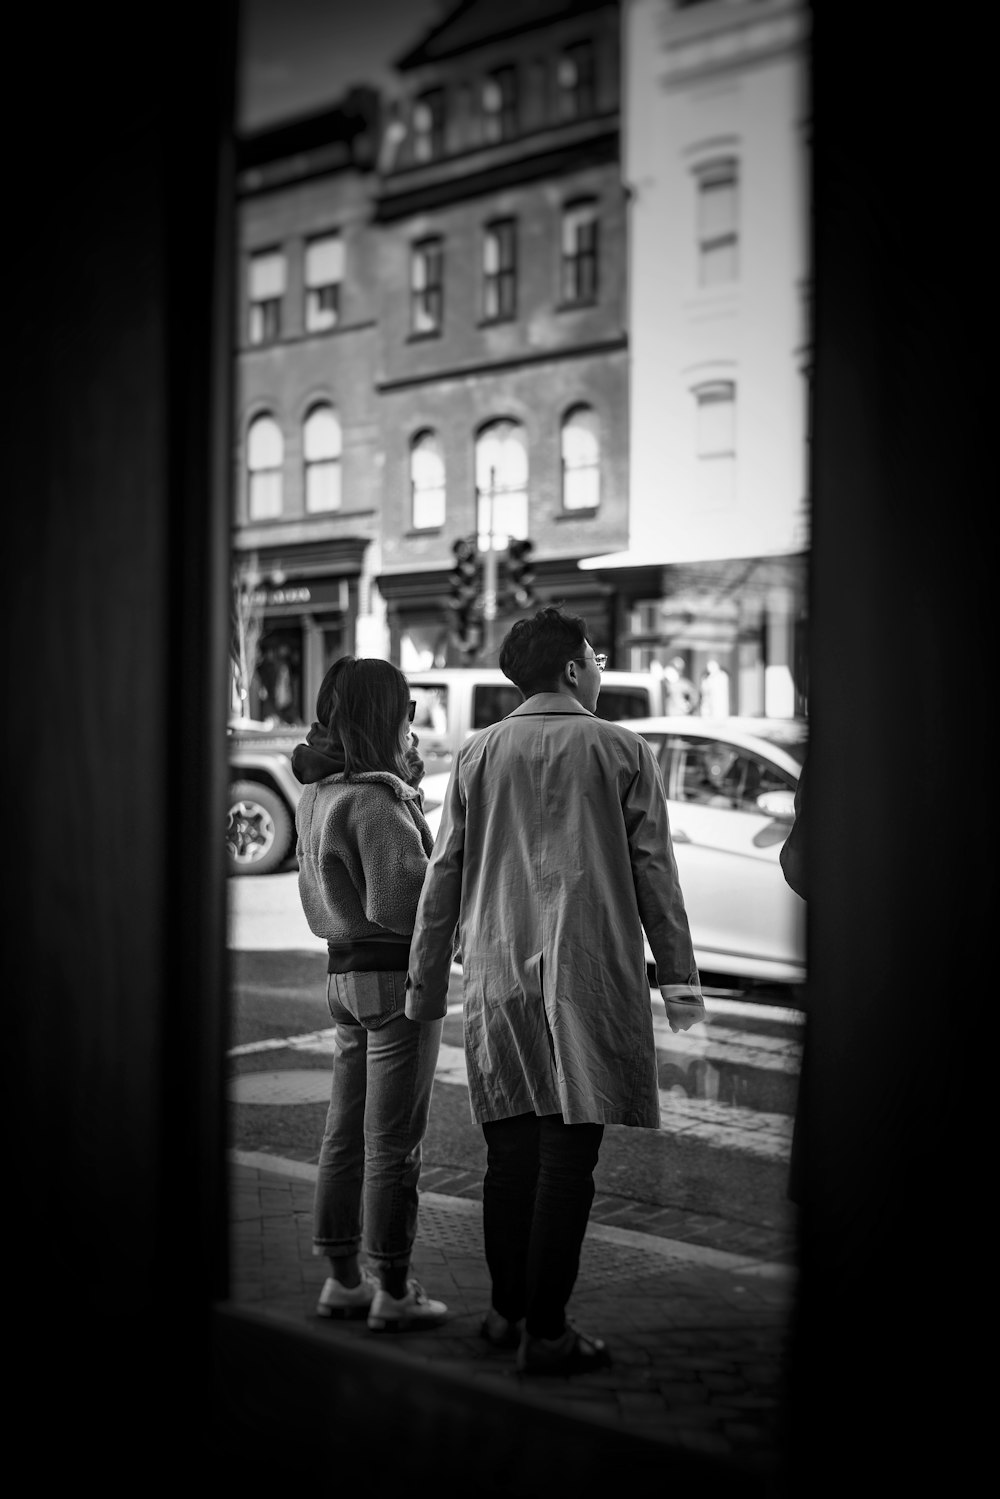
300	612
732	632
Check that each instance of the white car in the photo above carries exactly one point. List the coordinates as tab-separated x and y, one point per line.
730	786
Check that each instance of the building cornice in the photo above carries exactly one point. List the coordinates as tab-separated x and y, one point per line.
615	345
301	559
708	40
477	173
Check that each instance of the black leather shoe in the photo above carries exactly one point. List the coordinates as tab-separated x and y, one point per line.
498	1332
573	1353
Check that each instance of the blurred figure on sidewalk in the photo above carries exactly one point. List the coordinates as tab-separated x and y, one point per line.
714	691
363	848
552	855
681	693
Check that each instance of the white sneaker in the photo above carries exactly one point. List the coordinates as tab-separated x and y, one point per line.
415	1309
336	1300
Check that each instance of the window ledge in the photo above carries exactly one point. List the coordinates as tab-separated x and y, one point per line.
576	306
419	338
585	512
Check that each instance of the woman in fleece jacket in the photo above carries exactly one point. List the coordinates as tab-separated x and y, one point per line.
363	847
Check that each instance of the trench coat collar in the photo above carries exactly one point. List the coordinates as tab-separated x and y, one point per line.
550	702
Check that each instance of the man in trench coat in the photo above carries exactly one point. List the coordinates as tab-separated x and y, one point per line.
552	855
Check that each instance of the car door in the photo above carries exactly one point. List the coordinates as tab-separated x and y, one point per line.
744	918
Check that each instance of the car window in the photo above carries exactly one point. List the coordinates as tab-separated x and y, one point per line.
432	708
492	702
715	773
622	702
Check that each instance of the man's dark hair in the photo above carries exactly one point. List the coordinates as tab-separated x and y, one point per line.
535	650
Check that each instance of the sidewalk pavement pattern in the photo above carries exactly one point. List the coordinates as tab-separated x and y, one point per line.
698	1335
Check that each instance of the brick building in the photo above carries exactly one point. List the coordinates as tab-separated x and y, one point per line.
306	522
432	344
502	365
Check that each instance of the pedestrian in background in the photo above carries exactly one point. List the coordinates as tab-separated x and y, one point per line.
681	693
714	691
363	847
552	855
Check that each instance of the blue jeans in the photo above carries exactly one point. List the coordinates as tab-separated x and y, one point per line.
369	1162
537	1195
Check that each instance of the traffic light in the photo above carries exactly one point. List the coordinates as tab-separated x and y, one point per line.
466	577
466	599
521	573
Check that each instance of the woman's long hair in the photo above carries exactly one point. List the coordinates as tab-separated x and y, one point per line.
364	703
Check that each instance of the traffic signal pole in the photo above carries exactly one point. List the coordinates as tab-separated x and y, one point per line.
490	580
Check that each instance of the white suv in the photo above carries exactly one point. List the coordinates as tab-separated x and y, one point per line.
454	702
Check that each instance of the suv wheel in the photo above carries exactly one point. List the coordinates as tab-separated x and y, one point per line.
258	829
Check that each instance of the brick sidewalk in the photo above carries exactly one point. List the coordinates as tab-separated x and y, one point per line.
698	1335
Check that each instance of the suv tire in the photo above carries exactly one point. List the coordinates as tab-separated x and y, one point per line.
258	829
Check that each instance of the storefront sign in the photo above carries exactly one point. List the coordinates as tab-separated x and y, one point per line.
321	593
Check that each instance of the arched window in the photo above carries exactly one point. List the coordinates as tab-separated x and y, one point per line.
716	442
718	221
581	460
321	450
265	455
501	483
426	481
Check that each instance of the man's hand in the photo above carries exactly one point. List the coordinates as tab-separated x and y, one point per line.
682	1012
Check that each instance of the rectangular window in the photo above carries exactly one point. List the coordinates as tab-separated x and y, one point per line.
266	289
324	271
575	78
426	286
428	126
499	271
499	99
718	249
579	253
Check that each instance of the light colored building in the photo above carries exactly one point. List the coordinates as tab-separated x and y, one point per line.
715	152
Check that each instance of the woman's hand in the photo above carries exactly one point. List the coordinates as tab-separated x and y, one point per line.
414	762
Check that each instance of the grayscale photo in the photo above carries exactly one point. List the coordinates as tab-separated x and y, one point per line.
473	464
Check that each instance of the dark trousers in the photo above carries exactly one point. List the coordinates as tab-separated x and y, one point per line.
537	1194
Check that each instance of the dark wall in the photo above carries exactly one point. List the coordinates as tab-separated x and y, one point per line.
892	1109
116	529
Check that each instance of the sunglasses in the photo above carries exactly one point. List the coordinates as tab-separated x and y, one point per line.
412	710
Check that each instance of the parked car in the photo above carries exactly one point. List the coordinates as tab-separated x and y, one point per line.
451	704
730	787
263	795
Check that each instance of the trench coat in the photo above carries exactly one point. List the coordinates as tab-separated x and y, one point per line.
552	855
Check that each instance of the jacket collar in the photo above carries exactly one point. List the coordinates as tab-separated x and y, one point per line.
377	777
550	702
